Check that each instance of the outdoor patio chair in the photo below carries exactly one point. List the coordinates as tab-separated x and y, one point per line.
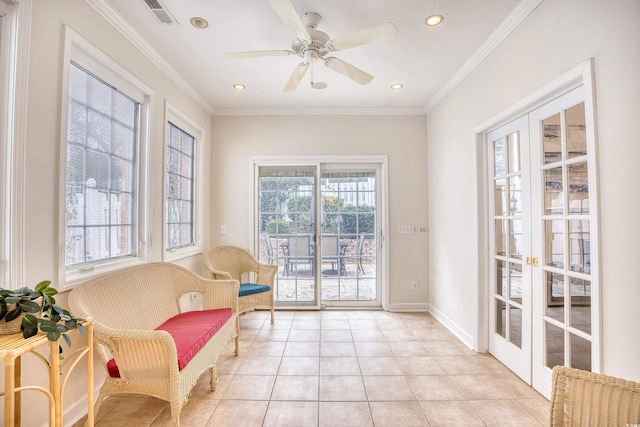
271	256
297	250
358	256
256	278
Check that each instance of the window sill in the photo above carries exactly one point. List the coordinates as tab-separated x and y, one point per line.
76	276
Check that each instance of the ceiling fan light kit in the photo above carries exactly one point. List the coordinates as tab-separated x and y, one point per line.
313	45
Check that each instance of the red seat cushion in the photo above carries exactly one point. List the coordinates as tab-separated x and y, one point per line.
190	332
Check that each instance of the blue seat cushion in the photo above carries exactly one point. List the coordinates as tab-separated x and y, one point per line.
252	288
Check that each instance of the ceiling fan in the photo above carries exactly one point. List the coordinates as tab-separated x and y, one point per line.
313	45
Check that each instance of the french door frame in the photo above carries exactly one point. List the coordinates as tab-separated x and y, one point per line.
316	162
581	75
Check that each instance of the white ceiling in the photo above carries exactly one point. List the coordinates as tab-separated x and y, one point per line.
425	60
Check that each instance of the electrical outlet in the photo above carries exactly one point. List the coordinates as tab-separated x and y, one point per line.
414	229
223	229
414	285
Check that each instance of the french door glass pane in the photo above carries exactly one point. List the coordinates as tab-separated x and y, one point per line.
501	197
555	345
501	318
555	296
551	141
501	278
581	304
554	243
515	239
576	132
553	188
580	352
515	325
578	184
501	237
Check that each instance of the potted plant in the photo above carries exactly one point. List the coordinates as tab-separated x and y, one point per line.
28	310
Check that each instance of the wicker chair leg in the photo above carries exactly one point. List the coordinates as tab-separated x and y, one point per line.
213	380
272	317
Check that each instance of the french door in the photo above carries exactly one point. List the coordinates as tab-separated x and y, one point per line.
320	224
541	169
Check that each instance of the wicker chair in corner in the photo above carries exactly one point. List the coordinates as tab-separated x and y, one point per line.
583	398
231	262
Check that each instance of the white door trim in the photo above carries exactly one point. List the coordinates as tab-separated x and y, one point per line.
580	75
310	160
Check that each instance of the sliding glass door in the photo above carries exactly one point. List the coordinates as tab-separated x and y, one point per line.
320	224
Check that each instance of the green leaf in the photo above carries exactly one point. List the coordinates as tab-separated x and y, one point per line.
13	314
81	328
53	335
29	326
40	287
30	321
29	306
50	292
48	326
3	310
13	299
67	340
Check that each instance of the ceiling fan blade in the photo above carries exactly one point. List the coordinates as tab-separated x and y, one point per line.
355	74
256	53
296	77
290	17
377	33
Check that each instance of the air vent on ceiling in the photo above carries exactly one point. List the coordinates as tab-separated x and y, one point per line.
161	12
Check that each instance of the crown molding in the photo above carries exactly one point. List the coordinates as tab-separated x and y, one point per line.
319	112
113	18
510	23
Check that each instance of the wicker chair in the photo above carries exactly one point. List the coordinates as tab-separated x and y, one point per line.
582	398
231	262
129	307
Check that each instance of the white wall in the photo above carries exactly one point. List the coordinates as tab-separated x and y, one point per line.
402	138
42	158
558	35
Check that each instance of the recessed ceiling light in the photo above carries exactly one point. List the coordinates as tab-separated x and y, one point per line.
433	20
396	86
199	22
239	86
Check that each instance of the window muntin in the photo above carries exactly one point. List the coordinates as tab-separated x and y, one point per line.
101	166
180	189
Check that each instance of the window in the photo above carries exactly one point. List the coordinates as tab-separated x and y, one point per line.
179	182
182	189
104	159
102	128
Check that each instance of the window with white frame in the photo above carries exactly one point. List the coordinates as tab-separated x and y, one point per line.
102	126
179	182
182	195
104	162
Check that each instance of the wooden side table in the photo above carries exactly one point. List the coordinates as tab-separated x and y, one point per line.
12	347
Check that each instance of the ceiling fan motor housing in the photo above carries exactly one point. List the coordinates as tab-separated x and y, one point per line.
318	43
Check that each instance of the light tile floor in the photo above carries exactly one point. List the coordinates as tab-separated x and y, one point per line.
345	368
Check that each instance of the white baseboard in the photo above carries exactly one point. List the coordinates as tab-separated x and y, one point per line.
453	327
400	307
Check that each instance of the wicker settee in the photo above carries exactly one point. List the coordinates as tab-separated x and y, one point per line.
145	343
582	398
